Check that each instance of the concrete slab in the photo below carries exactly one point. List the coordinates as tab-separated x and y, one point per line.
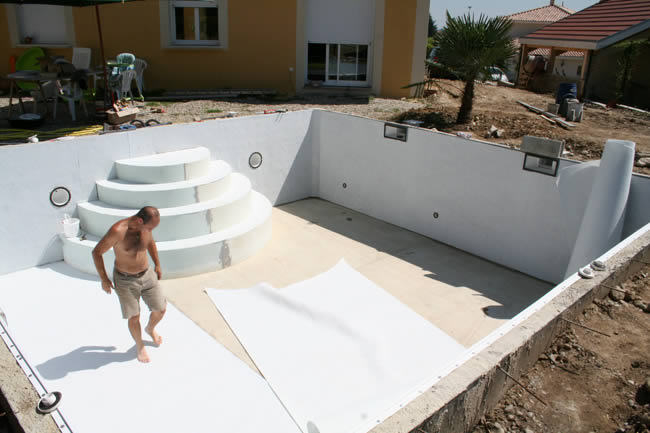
463	295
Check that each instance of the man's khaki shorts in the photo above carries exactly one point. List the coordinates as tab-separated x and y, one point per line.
130	288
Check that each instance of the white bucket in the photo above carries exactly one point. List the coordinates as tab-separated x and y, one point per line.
70	227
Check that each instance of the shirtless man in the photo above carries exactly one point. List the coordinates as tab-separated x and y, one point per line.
130	239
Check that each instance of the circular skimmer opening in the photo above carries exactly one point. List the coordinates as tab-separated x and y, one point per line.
60	196
255	160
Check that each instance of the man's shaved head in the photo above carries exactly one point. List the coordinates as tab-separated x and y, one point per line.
146	213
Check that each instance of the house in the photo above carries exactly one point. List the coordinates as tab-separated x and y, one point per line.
285	45
601	32
530	20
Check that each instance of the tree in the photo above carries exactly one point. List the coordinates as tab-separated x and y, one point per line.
433	29
631	50
470	47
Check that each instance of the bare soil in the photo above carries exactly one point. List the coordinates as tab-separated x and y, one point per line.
590	383
497	106
493	106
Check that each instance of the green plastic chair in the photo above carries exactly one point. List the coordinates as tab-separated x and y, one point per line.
28	61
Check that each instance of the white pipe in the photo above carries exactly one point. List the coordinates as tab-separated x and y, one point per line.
602	223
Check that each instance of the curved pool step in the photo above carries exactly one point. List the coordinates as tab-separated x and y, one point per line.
165	167
118	192
184	257
180	222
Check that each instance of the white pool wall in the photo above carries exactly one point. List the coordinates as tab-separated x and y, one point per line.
29	223
486	203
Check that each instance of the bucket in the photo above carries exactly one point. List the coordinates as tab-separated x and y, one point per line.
70	227
566	90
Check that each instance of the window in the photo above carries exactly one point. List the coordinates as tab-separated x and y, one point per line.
43	24
195	22
345	64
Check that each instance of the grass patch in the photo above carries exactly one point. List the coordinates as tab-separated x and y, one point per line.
214	110
151	104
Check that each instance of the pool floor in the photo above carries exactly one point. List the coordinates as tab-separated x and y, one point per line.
465	296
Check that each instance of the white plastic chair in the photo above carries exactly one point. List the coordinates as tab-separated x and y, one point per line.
140	66
123	86
81	58
70	93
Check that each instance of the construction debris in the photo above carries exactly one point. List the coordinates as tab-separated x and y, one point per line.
562	123
551	121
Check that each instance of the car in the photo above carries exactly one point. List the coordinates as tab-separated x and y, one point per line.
435	69
494	74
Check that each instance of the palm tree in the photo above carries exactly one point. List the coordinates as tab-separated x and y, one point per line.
470	47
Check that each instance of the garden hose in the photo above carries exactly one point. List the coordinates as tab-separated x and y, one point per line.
17	134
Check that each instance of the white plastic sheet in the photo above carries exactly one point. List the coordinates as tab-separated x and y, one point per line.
73	336
341	353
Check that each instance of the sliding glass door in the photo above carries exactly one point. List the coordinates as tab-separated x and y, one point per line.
338	64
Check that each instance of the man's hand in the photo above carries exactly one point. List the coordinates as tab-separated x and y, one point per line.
107	285
158	270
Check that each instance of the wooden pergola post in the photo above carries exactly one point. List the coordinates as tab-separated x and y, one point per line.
583	73
551	60
525	49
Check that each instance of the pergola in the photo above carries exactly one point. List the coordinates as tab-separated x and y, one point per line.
591	29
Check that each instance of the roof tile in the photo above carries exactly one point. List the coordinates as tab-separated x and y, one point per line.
549	14
596	22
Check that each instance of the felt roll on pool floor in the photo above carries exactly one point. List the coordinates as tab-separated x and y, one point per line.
341	353
72	334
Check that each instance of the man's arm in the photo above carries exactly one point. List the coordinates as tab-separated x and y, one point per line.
105	244
153	252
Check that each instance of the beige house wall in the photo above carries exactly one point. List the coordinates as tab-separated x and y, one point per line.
262	44
397	57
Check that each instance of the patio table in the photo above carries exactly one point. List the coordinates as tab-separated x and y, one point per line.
29	77
39	78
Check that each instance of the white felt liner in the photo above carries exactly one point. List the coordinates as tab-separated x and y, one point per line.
73	335
340	352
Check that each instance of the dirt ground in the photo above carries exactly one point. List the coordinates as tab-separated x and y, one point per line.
497	106
590	383
493	106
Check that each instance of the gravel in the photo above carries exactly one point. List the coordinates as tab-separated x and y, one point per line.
181	112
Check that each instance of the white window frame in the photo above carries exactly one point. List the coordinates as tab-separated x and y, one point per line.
17	38
217	4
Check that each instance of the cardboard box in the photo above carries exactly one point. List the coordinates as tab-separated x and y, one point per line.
122	116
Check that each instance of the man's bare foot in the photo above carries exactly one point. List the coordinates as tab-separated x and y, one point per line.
143	356
157	339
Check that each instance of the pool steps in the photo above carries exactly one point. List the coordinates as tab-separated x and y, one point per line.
210	217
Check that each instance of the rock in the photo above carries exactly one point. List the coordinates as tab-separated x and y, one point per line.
646	384
530	414
492	130
639	304
496	428
643	162
553	358
647	308
631	403
528	430
644	420
616	295
628	297
500	133
509	409
510	417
